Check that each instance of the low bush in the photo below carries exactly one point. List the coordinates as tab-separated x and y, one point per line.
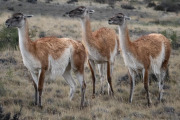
168	6
8	38
126	6
172	22
32	1
111	3
151	4
172	35
7	116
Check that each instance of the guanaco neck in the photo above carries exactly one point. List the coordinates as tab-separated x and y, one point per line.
86	31
25	44
125	42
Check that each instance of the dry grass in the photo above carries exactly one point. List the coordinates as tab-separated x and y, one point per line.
56	105
16	82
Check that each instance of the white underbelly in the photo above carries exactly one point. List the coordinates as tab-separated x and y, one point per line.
57	67
94	55
156	63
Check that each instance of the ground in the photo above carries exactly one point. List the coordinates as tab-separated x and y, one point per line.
16	88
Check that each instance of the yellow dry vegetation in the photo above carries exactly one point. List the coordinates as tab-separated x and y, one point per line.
18	87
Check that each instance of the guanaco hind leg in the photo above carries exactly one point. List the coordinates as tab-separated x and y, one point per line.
68	77
92	68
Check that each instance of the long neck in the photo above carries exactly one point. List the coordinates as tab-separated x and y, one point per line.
25	44
125	42
86	30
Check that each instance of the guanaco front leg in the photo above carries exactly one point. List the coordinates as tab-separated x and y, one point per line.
131	75
40	85
35	81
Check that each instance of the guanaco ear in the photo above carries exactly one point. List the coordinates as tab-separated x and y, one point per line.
127	18
28	16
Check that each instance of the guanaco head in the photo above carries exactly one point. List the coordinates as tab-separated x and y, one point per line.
79	12
17	20
118	19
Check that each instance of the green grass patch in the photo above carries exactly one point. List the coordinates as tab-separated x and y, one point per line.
8	38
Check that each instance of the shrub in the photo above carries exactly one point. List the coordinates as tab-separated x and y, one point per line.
151	4
7	116
168	5
126	6
32	1
172	35
69	1
8	38
42	34
111	3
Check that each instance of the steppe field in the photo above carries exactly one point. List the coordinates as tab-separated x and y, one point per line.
16	86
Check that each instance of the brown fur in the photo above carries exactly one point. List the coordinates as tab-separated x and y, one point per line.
79	55
100	45
42	48
142	53
55	47
103	40
149	45
142	49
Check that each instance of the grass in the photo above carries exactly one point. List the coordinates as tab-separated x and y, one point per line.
16	88
19	92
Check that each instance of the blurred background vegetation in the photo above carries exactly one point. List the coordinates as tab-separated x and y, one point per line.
8	38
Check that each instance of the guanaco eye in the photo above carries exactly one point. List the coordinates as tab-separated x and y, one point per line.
17	17
80	10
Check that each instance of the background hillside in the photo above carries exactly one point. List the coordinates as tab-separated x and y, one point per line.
16	88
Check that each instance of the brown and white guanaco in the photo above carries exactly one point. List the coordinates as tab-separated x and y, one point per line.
50	56
102	45
148	53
